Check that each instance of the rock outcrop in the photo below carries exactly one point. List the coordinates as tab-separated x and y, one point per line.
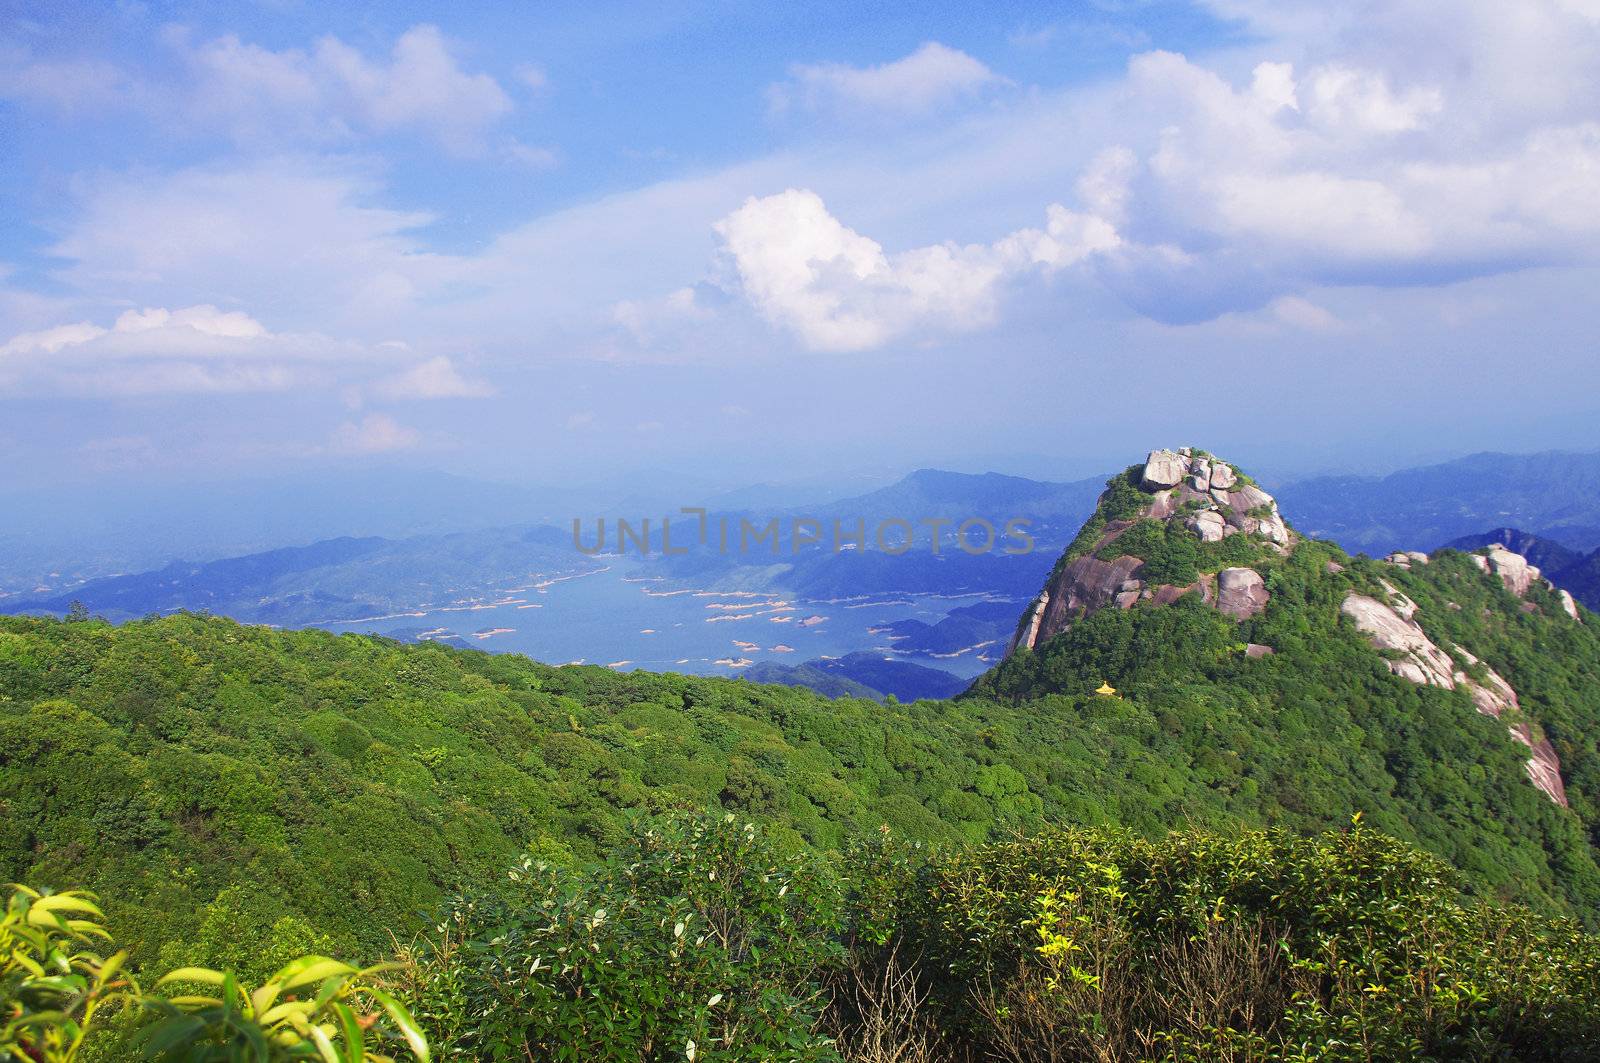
1164	469
1241	592
1211	501
1514	571
1410	654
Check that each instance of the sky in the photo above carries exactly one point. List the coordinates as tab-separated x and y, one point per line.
557	243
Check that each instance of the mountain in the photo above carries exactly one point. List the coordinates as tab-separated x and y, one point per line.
69	533
336	579
1555	495
1569	569
1188	529
355	578
1261	678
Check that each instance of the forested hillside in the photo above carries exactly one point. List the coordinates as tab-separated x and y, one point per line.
199	772
240	796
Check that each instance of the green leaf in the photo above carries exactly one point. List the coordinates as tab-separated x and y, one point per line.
408	1026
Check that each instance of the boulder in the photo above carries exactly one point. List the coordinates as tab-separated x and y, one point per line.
1399	602
1256	650
1085	585
1513	569
1241	592
1164	469
1222	476
1251	497
1208	525
1028	631
1200	475
1166	594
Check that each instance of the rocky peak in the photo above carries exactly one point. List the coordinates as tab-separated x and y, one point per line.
1131	551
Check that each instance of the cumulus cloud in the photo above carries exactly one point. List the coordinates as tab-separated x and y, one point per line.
1399	147
154	331
157	350
376	433
930	77
838	290
437	378
1337	174
1364	144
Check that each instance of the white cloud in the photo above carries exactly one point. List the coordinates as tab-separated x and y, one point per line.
932	76
259	96
50	340
73	86
531	156
650	320
290	235
437	378
1377	146
376	433
160	351
839	290
533	77
1362	99
157	331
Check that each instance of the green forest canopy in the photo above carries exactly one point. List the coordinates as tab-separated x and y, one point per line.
197	772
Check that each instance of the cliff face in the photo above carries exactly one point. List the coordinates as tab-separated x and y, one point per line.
1200	495
1412	655
1188	523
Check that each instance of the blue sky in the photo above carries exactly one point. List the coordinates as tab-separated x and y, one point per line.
762	242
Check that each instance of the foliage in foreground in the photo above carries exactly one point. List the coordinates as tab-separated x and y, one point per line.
696	939
1068	945
702	938
1094	944
52	982
56	997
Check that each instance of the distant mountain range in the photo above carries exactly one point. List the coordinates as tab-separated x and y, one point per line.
336	579
1554	495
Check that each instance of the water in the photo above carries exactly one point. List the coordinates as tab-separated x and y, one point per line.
619	614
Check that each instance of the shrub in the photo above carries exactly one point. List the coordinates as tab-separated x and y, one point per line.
1100	944
52	988
51	983
696	939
